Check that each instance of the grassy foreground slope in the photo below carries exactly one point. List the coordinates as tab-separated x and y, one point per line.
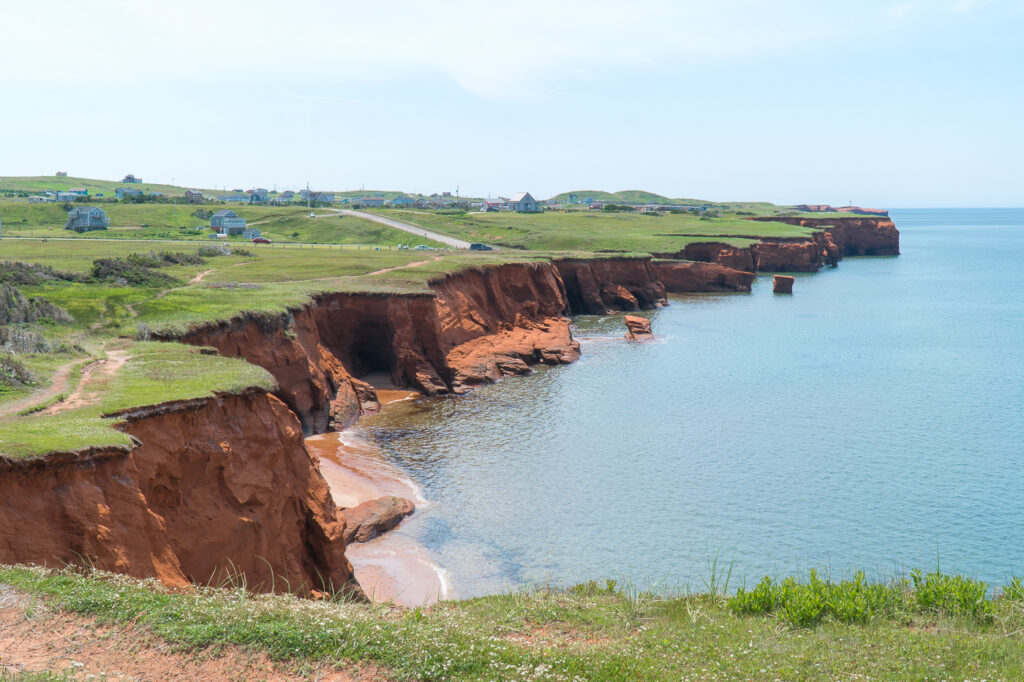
908	629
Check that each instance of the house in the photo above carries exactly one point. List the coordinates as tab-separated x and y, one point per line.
67	196
285	197
62	174
523	203
122	192
251	233
86	219
494	204
227	221
236	198
130	179
193	196
79	191
316	197
401	201
259	196
370	202
38	199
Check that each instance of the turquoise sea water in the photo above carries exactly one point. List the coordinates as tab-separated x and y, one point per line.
872	420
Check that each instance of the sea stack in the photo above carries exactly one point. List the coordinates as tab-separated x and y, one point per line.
782	284
638	329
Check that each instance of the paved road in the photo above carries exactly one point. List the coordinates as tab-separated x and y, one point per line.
412	229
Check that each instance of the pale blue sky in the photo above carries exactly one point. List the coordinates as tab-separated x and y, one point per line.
892	104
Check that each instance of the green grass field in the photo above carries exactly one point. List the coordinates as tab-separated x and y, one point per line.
165	221
595	230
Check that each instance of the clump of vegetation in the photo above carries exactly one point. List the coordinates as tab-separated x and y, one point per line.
127	271
21	274
16	308
202	214
617	208
18	339
13	374
212	251
806	604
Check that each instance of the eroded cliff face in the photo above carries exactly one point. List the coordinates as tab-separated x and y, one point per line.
681	277
838	238
475	326
216	489
600	286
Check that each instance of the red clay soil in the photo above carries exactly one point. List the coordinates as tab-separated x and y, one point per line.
217	488
34	638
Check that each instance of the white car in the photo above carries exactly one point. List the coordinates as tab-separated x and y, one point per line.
312	215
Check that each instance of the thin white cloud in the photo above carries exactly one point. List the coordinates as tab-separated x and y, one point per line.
517	49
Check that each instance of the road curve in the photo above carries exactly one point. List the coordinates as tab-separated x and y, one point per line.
406	227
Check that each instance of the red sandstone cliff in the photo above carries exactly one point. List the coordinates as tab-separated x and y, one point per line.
475	326
680	277
837	238
216	488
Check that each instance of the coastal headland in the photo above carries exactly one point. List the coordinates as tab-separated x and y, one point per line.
219	486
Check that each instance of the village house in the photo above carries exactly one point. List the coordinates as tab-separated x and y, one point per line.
193	196
131	179
79	191
523	203
498	204
285	197
86	219
252	233
369	202
122	192
227	221
258	196
237	198
317	197
402	201
67	196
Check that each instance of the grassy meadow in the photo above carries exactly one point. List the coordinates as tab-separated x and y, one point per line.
161	221
585	230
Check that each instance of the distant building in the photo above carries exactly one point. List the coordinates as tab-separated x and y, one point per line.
236	198
370	202
86	219
402	200
130	179
62	174
193	196
39	199
259	196
79	191
122	192
286	197
227	221
66	196
498	204
523	203
316	197
251	233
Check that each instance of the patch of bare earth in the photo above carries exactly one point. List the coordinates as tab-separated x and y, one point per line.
35	638
87	392
58	385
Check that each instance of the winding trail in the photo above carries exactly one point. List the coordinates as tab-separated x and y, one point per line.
96	371
59	384
402	267
408	227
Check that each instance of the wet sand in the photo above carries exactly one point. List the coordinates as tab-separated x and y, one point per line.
393	567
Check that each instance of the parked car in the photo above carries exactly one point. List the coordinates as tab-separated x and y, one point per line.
312	215
422	247
260	240
480	247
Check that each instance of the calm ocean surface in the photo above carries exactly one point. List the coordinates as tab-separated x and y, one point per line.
871	420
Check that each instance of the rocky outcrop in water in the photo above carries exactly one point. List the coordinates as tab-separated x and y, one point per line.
782	284
638	329
369	519
683	277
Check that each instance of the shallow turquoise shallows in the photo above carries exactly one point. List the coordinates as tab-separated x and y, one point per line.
872	420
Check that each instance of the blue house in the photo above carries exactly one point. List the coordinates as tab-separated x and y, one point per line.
227	222
86	219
